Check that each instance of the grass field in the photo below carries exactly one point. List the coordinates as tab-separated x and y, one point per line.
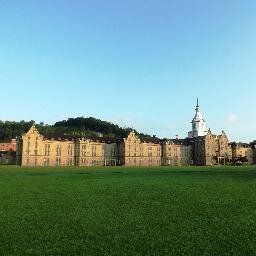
128	211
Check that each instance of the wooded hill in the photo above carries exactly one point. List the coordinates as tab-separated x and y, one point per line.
80	126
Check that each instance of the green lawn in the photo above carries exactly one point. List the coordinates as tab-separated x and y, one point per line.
128	211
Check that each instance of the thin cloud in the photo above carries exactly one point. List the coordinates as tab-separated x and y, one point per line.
232	119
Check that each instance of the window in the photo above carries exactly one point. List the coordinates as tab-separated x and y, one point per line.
58	150
70	161
58	161
94	150
47	150
70	150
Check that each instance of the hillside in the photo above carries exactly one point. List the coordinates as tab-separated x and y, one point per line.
79	126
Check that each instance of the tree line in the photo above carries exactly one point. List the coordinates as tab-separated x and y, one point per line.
79	126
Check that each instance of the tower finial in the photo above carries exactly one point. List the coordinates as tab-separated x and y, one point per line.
197	102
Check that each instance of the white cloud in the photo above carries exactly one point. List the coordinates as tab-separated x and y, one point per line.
232	119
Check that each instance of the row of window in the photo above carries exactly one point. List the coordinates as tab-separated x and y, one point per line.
141	148
47	161
141	161
150	154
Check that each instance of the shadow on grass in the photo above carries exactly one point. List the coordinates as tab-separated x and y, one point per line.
247	174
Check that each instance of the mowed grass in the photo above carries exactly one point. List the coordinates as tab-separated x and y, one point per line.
128	211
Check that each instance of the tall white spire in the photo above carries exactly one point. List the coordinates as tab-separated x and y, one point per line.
198	124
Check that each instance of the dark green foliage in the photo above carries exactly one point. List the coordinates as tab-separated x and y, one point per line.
125	211
80	126
11	129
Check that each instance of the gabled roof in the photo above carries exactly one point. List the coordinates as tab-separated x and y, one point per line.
176	141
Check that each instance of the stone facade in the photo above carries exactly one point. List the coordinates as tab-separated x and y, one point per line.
242	153
95	153
134	152
176	152
211	149
201	147
34	149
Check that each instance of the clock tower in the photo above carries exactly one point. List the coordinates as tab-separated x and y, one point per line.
198	124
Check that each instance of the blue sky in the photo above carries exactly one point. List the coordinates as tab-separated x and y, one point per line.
135	63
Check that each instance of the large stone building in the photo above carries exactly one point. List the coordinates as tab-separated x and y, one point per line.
134	152
211	149
208	148
97	152
34	149
243	153
201	147
176	152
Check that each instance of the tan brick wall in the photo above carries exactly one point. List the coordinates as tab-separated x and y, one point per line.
176	154
134	152
242	151
90	153
35	150
212	149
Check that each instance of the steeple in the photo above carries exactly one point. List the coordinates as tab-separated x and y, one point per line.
198	123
